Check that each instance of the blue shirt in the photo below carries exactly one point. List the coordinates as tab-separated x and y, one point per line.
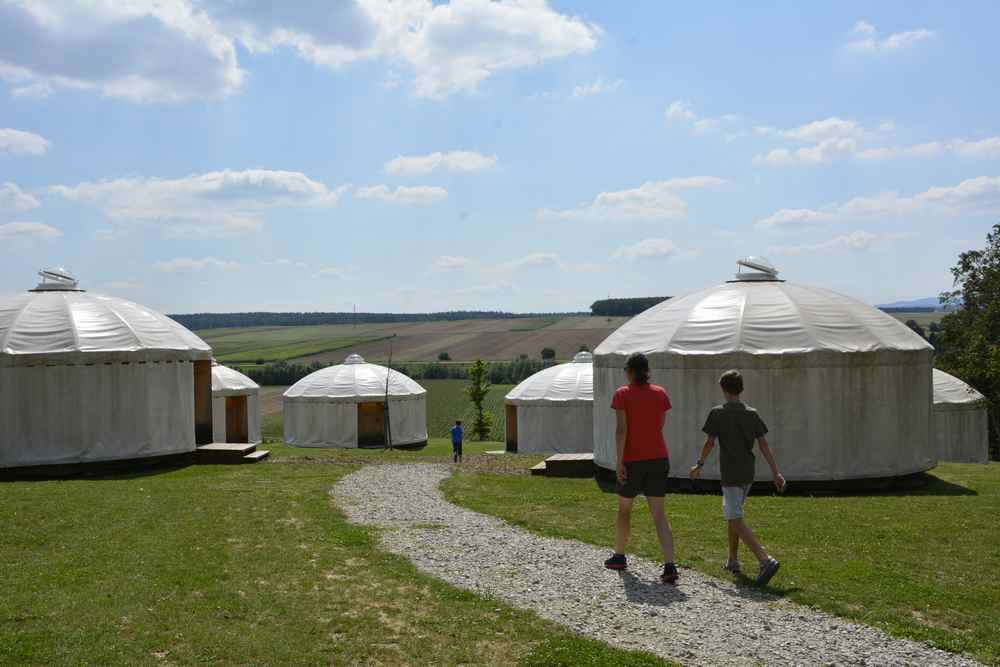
456	435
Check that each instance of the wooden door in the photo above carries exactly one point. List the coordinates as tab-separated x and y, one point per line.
203	402
511	428
371	425
236	419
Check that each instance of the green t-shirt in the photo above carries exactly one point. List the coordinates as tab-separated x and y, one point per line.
736	427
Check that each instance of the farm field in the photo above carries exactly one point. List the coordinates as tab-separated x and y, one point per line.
915	563
924	319
237	565
463	340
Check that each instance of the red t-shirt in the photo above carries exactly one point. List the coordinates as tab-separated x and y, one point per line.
644	406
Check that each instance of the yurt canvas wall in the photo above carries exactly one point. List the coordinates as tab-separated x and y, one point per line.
845	389
552	411
235	407
961	421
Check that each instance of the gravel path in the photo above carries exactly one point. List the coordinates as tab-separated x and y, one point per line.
703	621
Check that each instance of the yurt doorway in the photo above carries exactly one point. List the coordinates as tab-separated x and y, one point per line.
511	428
237	423
203	402
371	424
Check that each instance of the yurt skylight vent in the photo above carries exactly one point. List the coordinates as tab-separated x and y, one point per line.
758	269
57	279
583	357
354	359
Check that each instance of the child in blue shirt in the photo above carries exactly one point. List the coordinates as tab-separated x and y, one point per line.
457	435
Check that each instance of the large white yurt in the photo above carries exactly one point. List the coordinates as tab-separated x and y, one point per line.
235	408
844	388
961	421
345	406
552	411
86	378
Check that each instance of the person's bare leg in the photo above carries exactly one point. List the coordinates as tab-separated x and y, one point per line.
623	523
734	543
749	539
662	525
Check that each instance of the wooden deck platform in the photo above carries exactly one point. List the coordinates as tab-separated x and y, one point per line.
566	465
227	453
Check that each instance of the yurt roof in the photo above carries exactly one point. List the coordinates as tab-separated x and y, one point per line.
948	389
57	322
759	314
565	383
230	382
354	380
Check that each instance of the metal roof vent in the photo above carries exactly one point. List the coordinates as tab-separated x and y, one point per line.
759	269
57	279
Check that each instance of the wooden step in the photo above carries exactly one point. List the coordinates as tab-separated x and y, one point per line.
257	456
570	465
223	452
538	468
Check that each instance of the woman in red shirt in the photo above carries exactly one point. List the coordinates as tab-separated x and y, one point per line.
643	460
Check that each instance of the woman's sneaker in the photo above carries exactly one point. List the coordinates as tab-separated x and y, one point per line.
616	562
670	574
732	567
767	571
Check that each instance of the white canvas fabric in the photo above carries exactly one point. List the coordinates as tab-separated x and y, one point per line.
230	382
86	377
321	409
844	388
555	408
961	421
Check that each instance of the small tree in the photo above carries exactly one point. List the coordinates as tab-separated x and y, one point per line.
479	387
548	353
444	356
917	329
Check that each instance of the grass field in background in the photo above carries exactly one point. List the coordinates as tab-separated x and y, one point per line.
919	564
238	565
924	319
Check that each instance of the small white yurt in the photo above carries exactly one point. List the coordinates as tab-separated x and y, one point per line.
86	378
553	410
961	421
345	406
844	388
235	409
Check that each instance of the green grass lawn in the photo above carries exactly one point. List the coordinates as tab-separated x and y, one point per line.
238	565
921	564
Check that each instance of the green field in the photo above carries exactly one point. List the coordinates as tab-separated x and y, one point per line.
238	565
924	319
918	564
269	344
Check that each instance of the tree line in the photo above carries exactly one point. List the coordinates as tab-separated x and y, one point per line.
624	307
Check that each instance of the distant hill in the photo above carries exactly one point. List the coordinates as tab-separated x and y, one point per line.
917	305
197	321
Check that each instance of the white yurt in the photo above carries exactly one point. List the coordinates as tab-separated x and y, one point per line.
552	411
961	421
844	388
345	406
235	409
86	378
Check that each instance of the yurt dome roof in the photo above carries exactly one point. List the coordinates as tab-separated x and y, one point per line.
58	322
948	389
354	380
565	383
230	382
759	314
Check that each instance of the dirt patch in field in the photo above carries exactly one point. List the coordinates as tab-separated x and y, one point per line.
269	400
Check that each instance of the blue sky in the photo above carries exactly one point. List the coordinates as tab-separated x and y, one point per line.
223	155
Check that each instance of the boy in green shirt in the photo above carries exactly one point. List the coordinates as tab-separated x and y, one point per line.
737	426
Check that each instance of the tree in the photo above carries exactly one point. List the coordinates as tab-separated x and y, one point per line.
479	387
444	356
917	329
548	353
968	345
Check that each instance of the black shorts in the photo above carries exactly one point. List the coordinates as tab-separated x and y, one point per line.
647	477
456	447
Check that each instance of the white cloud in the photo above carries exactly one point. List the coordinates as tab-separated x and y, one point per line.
646	249
454	161
13	198
286	263
822	130
27	231
983	148
331	273
597	87
180	264
19	142
535	259
450	262
679	111
865	39
142	51
33	91
420	194
857	240
653	200
205	205
793	218
487	289
980	195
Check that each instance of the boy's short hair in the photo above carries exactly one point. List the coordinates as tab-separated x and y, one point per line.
458	422
731	382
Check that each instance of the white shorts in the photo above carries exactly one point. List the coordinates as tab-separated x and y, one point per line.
732	501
